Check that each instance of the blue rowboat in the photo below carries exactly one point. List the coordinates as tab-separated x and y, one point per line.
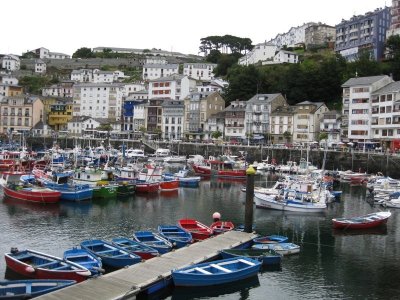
153	240
266	256
111	255
136	247
281	248
30	288
216	272
84	258
270	239
176	235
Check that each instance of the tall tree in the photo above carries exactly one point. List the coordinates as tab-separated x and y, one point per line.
83	53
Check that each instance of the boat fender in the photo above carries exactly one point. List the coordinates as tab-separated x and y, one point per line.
86	273
30	269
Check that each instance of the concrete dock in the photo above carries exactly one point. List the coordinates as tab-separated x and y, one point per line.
128	282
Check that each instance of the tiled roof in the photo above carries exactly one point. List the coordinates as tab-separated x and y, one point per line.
356	81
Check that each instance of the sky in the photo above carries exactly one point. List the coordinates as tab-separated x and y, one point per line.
172	25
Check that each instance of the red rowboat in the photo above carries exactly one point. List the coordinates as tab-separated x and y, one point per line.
198	230
171	185
362	222
39	265
222	226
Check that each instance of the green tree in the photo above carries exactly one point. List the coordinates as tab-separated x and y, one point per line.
33	84
322	136
83	53
393	54
216	134
288	136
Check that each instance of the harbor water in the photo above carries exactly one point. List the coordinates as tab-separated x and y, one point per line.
331	264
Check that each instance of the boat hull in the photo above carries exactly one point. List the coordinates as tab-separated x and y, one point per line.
362	222
198	230
49	197
147	187
170	185
268	202
267	256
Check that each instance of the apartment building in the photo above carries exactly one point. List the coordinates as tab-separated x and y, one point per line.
155	71
235	119
173	119
199	71
281	124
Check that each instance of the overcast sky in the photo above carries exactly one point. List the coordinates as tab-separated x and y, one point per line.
173	25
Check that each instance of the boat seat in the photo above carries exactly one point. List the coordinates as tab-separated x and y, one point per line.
105	251
202	271
220	268
62	268
47	264
120	255
246	262
22	257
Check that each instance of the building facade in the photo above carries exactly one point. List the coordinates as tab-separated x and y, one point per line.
11	62
260	53
155	71
173	119
235	115
319	35
281	124
199	71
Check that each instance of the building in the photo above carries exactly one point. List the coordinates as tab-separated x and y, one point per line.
20	113
173	119
10	62
82	75
363	33
307	121
199	71
260	53
64	89
394	28
154	115
134	114
45	53
215	85
104	76
357	106
176	87
235	115
215	123
319	35
283	56
198	108
385	121
40	66
281	124
10	90
131	88
330	124
154	52
9	79
258	111
295	36
98	100
155	71
59	113
79	125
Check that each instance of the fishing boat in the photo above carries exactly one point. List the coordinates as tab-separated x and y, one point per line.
15	189
221	226
300	202
198	230
153	240
216	272
175	235
126	188
219	168
84	258
266	256
185	180
101	180
30	288
39	265
169	185
147	186
361	222
270	239
140	249
111	255
281	248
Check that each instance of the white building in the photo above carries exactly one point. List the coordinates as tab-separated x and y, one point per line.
295	36
235	121
45	53
98	100
215	85
215	123
131	88
330	124
281	123
357	106
9	79
11	62
63	89
79	124
40	66
135	114
104	76
199	71
154	71
176	87
286	57
260	53
173	119
82	75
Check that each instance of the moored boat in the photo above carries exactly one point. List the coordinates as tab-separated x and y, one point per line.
361	222
175	235
266	256
198	230
147	186
136	247
270	239
169	185
111	255
84	258
216	272
153	240
281	248
30	288
39	265
222	226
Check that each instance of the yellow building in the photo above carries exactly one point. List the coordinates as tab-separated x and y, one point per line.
20	113
58	112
